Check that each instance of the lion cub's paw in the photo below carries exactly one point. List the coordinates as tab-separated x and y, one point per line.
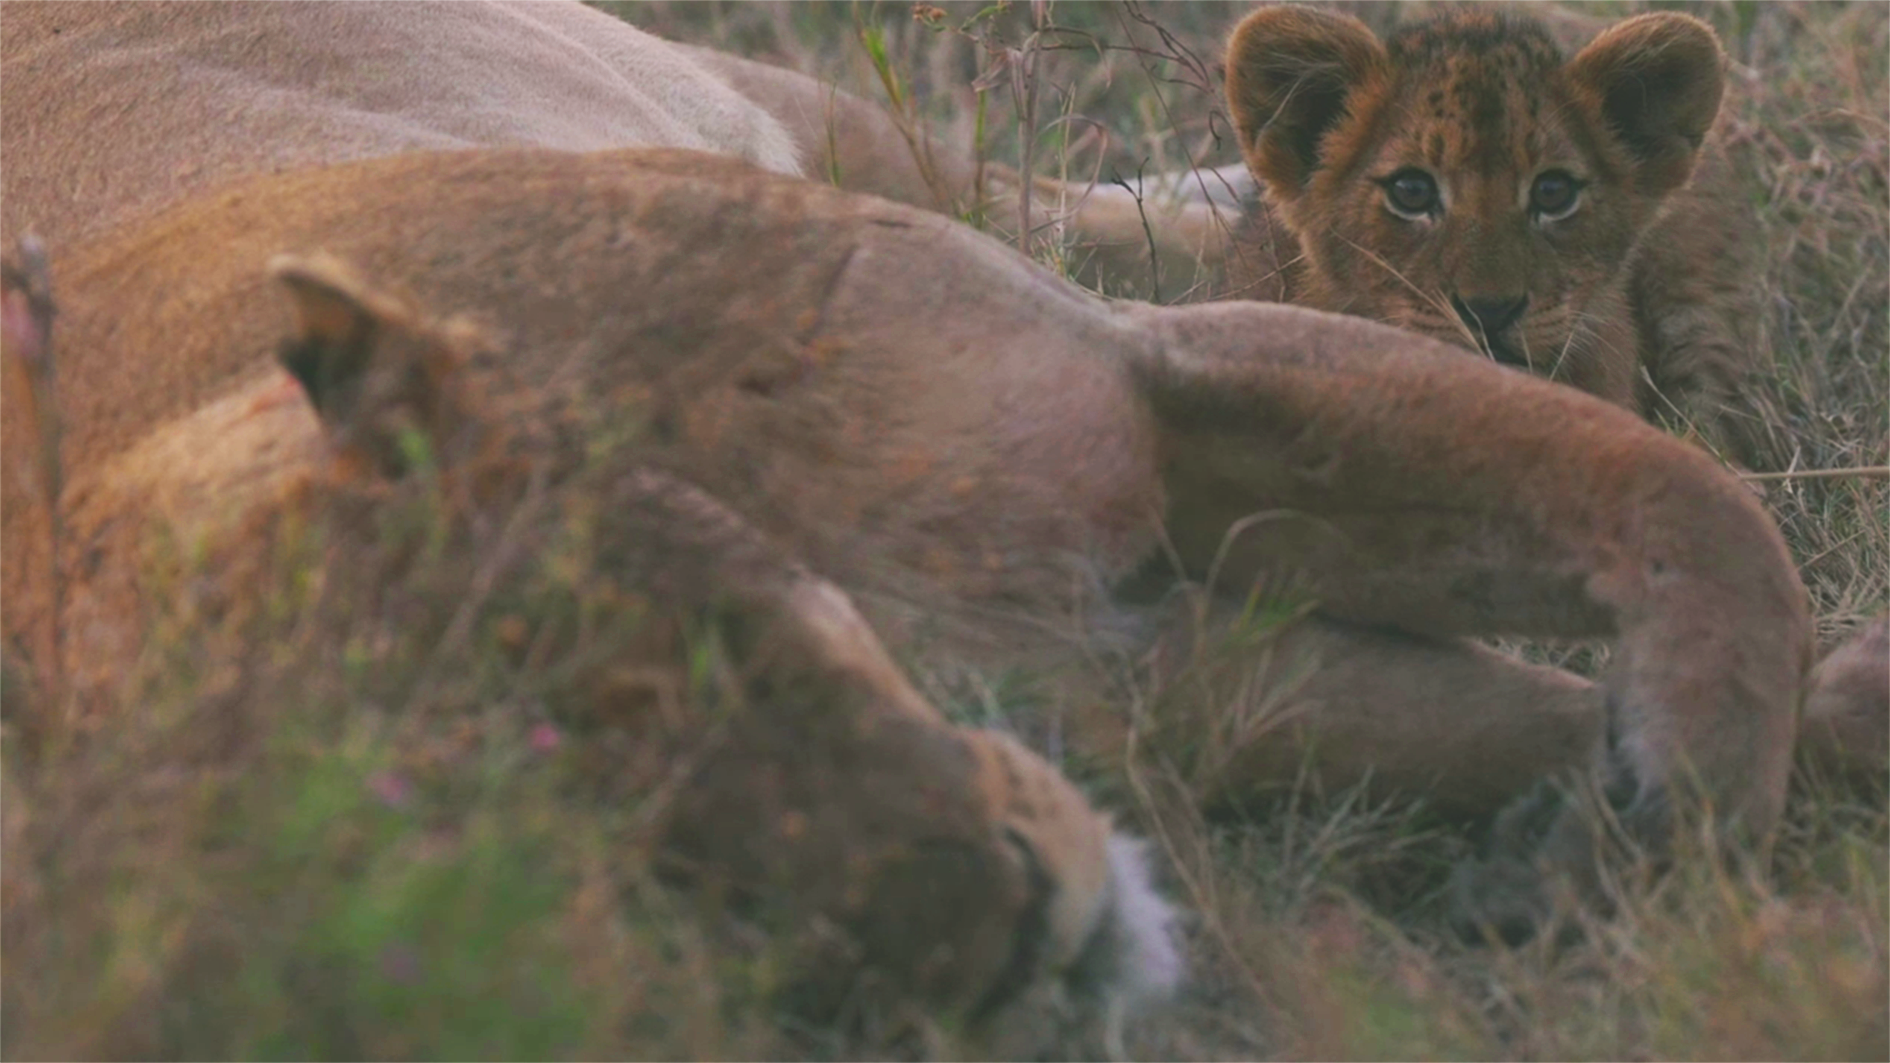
1502	900
1845	728
1539	863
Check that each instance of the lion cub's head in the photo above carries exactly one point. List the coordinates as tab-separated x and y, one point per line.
1463	179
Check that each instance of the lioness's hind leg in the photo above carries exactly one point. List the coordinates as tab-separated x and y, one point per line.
1464	725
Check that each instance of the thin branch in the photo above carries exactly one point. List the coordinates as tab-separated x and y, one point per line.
26	320
1860	472
1148	233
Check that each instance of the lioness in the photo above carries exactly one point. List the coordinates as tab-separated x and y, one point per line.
1463	179
837	388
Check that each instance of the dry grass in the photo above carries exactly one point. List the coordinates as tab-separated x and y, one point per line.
328	830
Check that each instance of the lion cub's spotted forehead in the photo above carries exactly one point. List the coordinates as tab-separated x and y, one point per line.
1469	94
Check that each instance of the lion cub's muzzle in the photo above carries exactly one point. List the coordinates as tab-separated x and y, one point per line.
1493	321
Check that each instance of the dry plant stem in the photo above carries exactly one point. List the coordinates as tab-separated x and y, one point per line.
26	288
1024	86
905	117
1148	234
1861	472
1182	56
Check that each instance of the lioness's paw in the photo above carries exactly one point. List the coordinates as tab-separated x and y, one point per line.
1135	952
1110	935
1540	851
1559	849
963	874
1130	960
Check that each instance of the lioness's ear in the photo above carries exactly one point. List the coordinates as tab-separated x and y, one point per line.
1291	73
337	325
1654	80
380	378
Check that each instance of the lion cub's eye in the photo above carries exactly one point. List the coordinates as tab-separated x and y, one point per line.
1554	195
1411	194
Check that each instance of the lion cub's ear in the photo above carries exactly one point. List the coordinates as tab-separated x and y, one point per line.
1292	72
1654	80
385	382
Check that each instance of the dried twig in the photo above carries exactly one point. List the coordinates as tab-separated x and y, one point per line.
26	318
1024	87
1860	472
1148	233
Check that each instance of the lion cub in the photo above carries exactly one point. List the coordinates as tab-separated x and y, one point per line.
1464	179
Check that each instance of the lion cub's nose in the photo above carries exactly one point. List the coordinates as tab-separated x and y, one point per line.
1491	314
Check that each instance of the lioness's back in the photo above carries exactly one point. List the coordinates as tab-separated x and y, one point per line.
257	87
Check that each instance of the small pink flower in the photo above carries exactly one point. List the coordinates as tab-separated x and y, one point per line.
400	965
393	789
545	738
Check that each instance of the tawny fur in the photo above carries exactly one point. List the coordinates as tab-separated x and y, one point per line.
1644	295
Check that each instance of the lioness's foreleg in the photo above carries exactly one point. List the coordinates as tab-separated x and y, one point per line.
1448	497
